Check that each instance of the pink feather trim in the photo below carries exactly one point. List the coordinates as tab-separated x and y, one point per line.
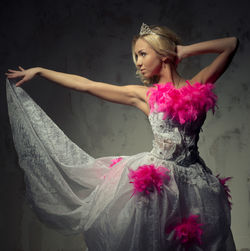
115	161
189	231
147	178
184	104
226	188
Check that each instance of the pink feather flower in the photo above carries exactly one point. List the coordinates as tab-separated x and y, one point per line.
189	231
184	104
226	189
115	161
147	178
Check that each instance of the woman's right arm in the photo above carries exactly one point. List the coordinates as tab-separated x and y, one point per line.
134	95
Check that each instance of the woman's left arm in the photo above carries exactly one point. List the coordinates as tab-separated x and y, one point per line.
225	47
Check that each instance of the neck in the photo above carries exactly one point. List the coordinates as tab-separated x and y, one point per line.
169	74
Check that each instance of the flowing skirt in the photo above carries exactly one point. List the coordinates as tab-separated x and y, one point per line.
74	193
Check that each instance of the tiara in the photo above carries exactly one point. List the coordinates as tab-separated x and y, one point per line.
145	30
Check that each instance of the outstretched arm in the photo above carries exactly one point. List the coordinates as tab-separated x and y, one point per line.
225	47
130	94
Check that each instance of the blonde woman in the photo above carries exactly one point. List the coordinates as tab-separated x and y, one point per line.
166	199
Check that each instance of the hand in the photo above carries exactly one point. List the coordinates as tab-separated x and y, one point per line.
180	55
25	75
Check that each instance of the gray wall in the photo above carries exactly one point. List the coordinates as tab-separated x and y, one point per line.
92	38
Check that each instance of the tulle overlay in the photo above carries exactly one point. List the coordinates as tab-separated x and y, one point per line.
166	199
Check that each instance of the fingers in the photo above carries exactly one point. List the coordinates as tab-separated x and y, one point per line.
11	70
20	82
9	75
20	68
12	75
15	73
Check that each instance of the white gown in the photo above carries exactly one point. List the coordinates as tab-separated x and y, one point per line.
75	193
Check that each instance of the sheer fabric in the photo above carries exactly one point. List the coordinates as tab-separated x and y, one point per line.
75	193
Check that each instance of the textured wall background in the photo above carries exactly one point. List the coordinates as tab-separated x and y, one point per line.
92	38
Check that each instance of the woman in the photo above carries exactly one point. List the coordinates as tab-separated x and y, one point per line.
166	199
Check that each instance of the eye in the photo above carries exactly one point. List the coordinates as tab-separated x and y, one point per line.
143	54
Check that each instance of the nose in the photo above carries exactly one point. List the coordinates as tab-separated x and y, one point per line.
139	62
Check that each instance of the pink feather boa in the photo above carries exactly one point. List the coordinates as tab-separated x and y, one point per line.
148	177
183	104
226	189
189	231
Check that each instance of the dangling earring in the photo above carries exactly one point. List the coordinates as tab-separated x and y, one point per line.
164	63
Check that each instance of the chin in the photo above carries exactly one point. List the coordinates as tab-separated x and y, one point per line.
147	75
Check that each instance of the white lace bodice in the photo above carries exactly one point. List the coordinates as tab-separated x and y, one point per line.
176	117
173	141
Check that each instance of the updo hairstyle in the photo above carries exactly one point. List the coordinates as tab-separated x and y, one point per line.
163	41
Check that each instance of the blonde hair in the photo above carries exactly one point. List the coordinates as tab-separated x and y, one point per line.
163	41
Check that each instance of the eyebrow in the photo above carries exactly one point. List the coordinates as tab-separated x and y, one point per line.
139	51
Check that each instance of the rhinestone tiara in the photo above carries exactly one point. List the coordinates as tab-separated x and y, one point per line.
145	30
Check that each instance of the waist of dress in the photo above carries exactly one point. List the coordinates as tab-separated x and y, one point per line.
179	152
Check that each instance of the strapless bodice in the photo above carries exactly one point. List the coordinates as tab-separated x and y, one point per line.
176	118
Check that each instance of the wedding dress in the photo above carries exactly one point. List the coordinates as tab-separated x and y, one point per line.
165	199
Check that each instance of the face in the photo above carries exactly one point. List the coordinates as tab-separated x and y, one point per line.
147	60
